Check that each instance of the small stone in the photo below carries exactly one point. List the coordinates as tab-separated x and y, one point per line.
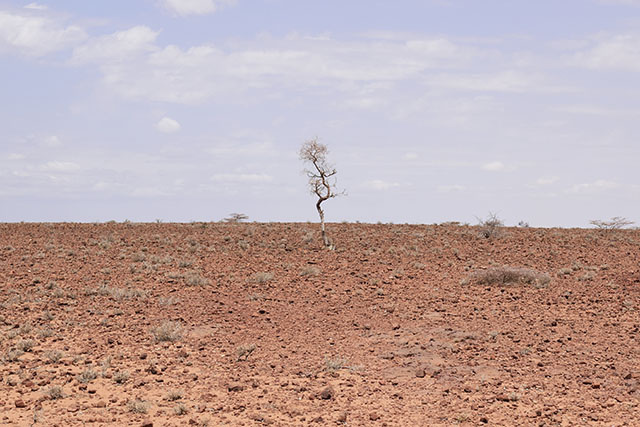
20	404
234	387
374	416
143	356
147	423
420	373
484	420
342	417
327	393
100	404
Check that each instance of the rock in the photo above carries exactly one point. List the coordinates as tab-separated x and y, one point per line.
235	387
20	403
147	423
327	393
342	417
100	404
420	373
484	420
374	416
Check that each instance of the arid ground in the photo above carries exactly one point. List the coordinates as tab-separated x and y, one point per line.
250	324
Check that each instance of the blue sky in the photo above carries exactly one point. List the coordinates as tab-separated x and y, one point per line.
433	111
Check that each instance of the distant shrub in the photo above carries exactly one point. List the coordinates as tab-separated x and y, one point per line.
491	226
310	270
236	217
262	277
195	279
614	223
508	276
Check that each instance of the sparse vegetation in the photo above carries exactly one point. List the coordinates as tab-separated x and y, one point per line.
167	332
262	277
174	395
508	276
614	223
236	217
54	392
138	406
491	226
121	377
180	409
87	376
244	351
310	270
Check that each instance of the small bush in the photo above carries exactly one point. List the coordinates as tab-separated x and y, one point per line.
174	395
54	392
262	277
508	276
310	270
195	279
25	345
180	409
55	356
244	351
167	332
490	226
121	377
139	406
87	376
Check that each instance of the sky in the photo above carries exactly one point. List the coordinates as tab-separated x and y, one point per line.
432	110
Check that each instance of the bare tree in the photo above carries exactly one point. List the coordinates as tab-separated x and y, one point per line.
321	174
236	217
614	223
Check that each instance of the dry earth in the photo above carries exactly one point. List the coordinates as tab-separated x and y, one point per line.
249	324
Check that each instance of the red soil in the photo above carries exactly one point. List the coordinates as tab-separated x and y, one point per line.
385	330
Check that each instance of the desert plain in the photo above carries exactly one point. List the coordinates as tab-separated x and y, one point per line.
252	324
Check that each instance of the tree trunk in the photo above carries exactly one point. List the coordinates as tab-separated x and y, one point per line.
325	239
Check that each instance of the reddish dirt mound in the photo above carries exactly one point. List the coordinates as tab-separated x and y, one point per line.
249	324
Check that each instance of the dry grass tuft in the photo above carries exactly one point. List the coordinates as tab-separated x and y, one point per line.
508	276
167	332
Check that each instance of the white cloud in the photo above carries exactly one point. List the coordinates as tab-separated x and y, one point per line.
619	52
594	187
136	67
168	125
494	166
16	156
116	48
380	185
194	7
547	180
410	156
36	35
36	6
58	166
52	141
241	178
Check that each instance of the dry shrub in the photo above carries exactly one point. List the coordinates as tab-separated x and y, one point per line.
508	276
167	332
262	277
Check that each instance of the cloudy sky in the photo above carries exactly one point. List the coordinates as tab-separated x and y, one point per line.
433	110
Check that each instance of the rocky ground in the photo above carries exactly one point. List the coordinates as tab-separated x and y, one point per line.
249	324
